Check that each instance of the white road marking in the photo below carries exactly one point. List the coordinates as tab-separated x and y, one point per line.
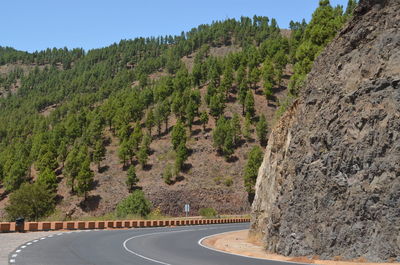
14	255
157	233
12	260
42	238
59	234
23	246
225	252
34	241
50	236
29	243
18	251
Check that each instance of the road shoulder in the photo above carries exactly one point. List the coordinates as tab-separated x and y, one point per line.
238	243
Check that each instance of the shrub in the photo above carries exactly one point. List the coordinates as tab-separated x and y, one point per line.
208	212
134	204
228	182
31	201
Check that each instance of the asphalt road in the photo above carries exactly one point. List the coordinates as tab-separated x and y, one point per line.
147	246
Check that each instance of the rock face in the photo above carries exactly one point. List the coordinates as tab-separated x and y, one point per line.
329	184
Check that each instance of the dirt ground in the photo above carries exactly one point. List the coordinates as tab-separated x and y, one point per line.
238	243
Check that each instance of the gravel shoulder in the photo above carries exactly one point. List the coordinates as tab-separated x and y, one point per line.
237	242
10	241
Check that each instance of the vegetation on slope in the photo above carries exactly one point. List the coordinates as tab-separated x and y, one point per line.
110	89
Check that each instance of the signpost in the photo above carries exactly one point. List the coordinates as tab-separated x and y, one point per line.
187	209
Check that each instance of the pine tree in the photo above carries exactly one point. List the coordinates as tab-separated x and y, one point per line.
62	153
217	105
178	135
249	103
190	114
132	179
229	145
236	128
254	77
243	89
181	157
261	130
72	166
204	120
47	178
251	170
84	179
150	121
247	128
99	153
123	152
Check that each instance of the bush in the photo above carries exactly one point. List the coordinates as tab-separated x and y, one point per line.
228	182
31	201
208	212
134	204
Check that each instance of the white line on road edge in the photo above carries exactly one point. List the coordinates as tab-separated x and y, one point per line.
14	255
18	251
158	233
12	260
240	255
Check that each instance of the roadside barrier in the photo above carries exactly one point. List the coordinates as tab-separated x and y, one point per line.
6	227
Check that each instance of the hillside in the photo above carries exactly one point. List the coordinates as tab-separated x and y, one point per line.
179	113
329	183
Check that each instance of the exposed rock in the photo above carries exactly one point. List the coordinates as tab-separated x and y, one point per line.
329	184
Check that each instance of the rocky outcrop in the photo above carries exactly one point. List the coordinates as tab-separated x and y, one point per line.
329	184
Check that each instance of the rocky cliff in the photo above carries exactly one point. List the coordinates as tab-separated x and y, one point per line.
329	184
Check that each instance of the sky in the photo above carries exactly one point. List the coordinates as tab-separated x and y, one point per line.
36	25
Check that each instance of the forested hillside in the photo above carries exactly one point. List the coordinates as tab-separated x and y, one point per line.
180	117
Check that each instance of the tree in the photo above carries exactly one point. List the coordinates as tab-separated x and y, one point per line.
236	128
181	157
223	137
178	135
229	146
254	77
351	5
251	170
217	105
123	152
190	114
247	127
243	90
72	166
131	179
47	160
15	176
31	201
99	153
150	121
261	129
268	92
47	178
84	179
204	119
249	103
62	153
135	204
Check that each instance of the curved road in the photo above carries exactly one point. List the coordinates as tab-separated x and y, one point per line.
147	246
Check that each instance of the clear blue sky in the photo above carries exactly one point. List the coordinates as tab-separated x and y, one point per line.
35	25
